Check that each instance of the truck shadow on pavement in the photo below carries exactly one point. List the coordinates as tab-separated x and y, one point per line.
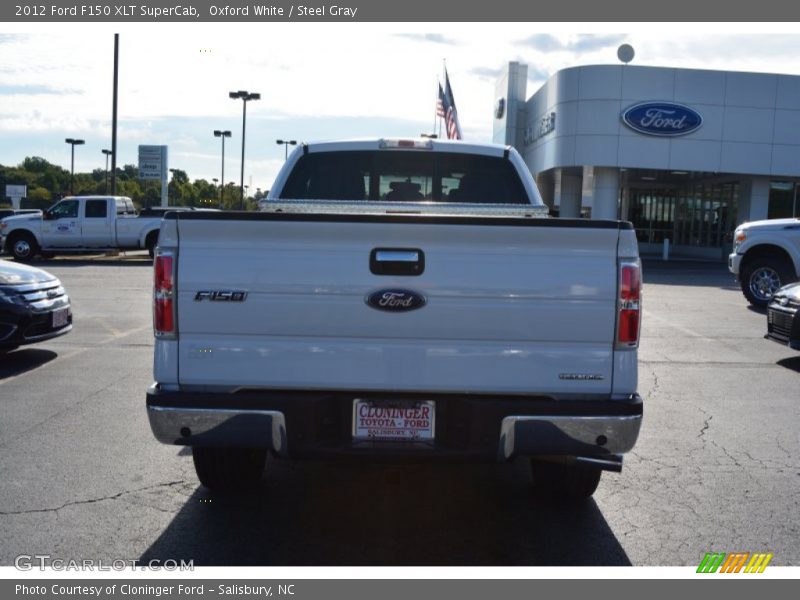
21	361
411	515
792	363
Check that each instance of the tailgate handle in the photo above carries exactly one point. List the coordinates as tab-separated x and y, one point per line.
397	261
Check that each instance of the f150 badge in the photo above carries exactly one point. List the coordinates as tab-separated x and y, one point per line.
395	300
220	296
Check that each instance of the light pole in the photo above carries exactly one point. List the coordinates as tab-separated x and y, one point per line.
286	144
73	142
245	97
223	135
107	153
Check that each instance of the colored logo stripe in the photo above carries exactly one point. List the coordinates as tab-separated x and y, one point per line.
711	562
758	563
734	562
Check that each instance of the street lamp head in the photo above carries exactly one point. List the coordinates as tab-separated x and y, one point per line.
292	142
107	152
253	96
74	142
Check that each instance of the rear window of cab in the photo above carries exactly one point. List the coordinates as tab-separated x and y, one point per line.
405	176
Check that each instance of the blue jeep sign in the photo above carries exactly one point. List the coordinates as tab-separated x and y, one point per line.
661	118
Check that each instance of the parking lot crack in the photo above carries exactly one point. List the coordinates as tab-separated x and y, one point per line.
655	389
71	408
116	496
725	451
706	423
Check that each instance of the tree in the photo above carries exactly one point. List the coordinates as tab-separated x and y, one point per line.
48	183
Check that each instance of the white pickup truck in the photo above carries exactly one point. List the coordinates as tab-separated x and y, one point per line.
79	224
398	299
765	257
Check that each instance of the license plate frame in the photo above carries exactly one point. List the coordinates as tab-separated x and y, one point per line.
394	420
60	318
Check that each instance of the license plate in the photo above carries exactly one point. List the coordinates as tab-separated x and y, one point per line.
393	421
60	317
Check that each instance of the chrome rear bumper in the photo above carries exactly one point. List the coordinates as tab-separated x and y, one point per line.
319	424
570	435
219	427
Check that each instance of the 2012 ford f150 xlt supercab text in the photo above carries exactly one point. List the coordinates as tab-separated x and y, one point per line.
398	299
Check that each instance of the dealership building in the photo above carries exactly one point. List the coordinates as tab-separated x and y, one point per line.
684	154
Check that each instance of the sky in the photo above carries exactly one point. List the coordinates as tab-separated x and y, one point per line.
317	81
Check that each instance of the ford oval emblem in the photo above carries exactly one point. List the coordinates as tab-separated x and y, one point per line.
662	118
395	300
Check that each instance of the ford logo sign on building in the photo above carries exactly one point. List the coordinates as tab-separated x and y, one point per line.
395	300
662	118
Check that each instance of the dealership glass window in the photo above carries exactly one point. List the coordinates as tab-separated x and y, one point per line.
701	214
652	214
783	200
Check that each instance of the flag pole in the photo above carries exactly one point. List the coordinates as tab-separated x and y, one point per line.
436	106
444	78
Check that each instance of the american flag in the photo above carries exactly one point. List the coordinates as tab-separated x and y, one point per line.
446	108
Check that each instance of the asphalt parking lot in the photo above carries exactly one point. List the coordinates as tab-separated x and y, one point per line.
716	466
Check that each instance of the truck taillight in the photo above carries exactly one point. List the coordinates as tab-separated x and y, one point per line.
629	304
164	322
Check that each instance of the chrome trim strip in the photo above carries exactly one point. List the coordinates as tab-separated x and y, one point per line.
59	302
12	329
49	335
33	287
396	256
219	427
525	435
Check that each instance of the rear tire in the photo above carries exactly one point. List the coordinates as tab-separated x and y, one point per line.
763	276
22	246
150	243
229	468
565	482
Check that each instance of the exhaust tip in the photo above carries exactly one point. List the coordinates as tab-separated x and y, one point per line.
611	462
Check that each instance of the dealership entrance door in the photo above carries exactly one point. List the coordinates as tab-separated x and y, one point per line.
696	214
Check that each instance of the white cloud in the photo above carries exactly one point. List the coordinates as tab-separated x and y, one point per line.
316	80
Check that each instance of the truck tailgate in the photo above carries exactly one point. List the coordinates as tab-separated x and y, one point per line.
513	305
